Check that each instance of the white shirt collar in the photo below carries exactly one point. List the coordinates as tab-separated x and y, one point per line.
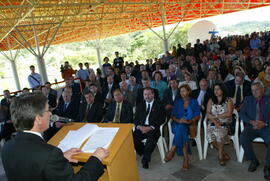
151	103
33	132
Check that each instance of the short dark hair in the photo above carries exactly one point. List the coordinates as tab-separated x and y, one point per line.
25	108
117	90
32	66
149	88
86	92
158	72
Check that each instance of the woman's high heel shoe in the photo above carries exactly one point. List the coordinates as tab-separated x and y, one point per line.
169	155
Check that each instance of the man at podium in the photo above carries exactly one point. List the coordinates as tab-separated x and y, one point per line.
29	157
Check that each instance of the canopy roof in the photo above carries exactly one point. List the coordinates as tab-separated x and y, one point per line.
82	20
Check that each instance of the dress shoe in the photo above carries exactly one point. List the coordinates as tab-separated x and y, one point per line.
253	165
266	172
145	164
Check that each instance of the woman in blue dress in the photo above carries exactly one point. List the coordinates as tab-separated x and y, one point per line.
186	111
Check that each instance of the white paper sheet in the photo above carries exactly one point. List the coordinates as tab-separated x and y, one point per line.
75	138
101	138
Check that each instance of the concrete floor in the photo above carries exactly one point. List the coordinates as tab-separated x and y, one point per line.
204	170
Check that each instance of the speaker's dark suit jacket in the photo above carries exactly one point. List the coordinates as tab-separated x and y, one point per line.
126	112
70	112
94	115
231	88
28	157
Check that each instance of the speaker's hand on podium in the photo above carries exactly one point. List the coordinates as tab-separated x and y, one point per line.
101	153
69	154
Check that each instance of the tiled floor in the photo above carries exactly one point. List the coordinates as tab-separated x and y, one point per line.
205	170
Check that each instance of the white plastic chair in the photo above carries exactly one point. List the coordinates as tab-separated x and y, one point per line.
234	138
162	145
241	152
197	138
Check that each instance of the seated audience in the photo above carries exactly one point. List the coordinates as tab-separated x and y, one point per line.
219	114
133	86
108	88
159	84
239	88
146	84
90	111
185	113
128	95
51	98
119	111
203	94
255	114
149	116
266	79
192	84
171	94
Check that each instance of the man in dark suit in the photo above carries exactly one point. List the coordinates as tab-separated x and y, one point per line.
170	95
212	78
98	96
7	128
68	108
149	116
255	113
108	88
34	158
51	97
90	111
203	94
146	84
118	62
239	88
120	111
76	89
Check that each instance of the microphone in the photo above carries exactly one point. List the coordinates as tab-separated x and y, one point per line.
55	118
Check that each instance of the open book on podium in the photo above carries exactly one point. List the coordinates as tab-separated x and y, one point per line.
117	138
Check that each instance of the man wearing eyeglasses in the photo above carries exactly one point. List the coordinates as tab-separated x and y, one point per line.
29	157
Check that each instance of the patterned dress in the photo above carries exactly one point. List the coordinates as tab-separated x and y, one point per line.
218	134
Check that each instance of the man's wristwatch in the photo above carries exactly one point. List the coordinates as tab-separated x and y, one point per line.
265	124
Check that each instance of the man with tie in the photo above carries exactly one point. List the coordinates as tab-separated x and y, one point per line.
119	111
90	111
149	116
212	78
239	88
255	113
68	108
170	95
108	88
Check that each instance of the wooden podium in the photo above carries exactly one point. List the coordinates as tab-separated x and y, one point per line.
121	163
